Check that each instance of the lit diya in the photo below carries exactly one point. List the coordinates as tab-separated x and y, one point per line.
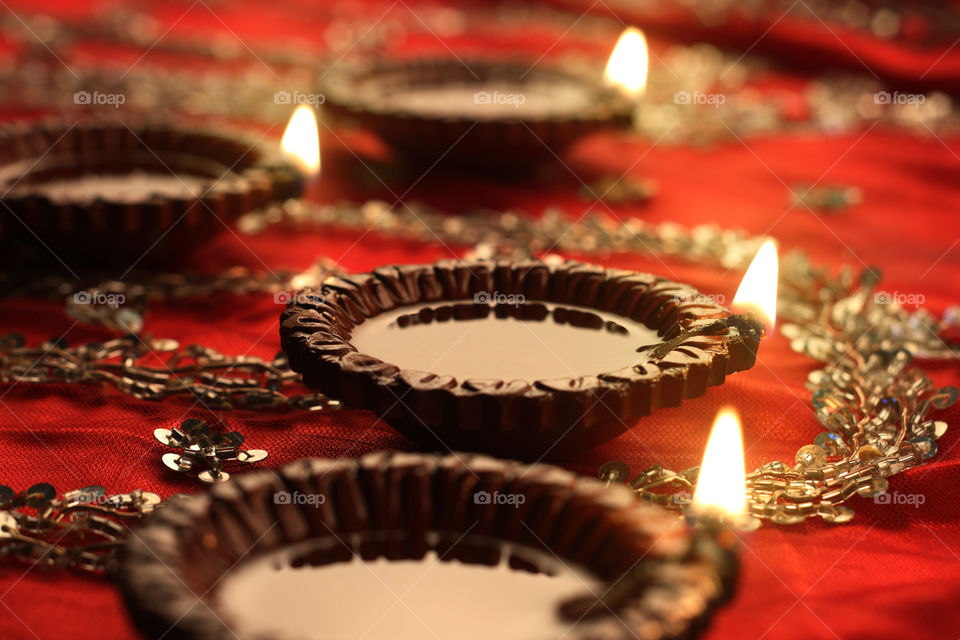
398	545
496	117
107	193
518	358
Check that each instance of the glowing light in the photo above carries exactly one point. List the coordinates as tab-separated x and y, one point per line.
628	64
721	485
301	140
758	289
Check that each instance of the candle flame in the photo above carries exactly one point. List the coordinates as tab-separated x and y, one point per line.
628	64
301	140
721	485
758	289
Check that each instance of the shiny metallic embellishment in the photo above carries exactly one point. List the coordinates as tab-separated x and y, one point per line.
204	451
82	529
128	364
828	198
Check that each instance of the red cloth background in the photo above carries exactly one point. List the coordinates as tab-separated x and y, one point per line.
893	572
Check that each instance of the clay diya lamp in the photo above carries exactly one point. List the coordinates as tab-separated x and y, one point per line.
520	359
415	545
105	193
483	116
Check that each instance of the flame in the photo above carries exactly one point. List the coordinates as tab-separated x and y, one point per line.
301	140
721	485
627	66
758	289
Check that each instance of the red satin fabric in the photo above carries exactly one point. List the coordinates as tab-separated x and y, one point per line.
893	572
